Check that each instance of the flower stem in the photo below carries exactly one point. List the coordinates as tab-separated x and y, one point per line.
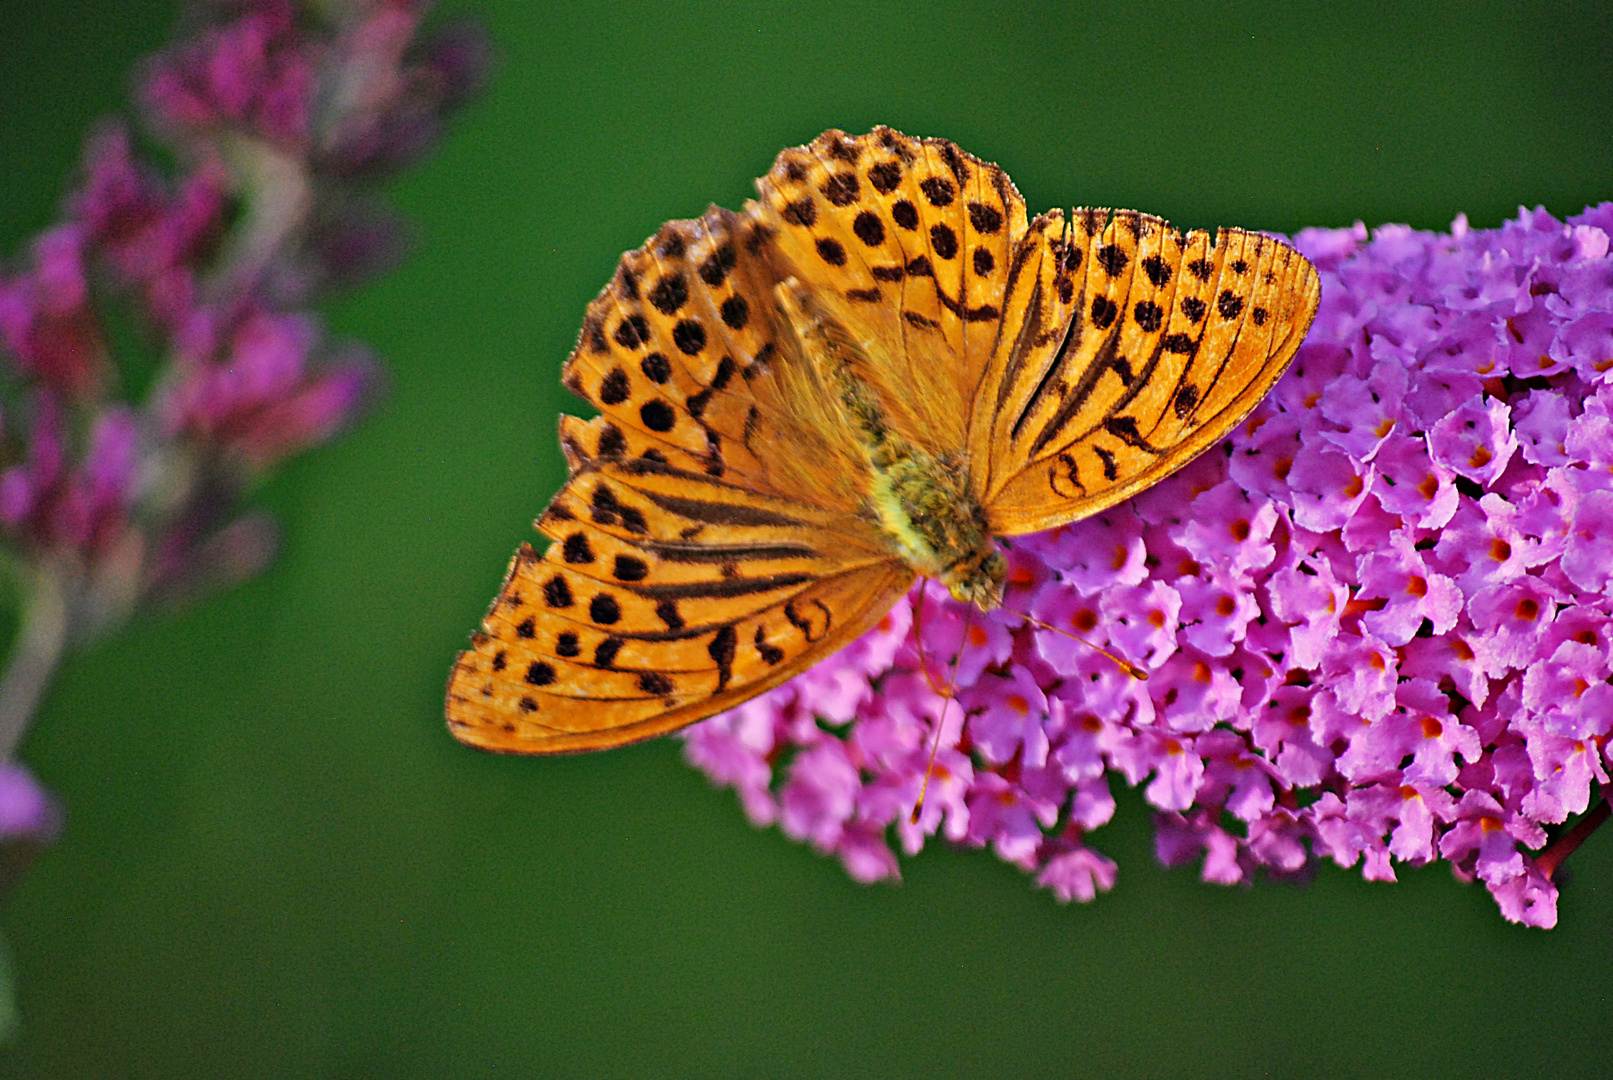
33	662
1561	848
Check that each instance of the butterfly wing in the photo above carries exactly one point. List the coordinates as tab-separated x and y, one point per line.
1126	350
706	546
666	596
906	242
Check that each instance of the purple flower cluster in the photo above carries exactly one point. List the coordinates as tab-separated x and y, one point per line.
157	350
1376	621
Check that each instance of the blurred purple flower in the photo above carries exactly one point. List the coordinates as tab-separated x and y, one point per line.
26	809
1377	622
280	116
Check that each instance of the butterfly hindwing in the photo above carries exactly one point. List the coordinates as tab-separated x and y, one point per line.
664	596
1170	342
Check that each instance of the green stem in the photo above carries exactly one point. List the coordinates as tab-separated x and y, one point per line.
34	660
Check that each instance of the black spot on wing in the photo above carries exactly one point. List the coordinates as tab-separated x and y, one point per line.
939	190
657	415
1110	472
771	654
626	283
557	592
604	609
717	265
1124	428
1112	258
656	368
653	682
726	366
735	314
869	229
841	189
1104	311
831	251
985	219
1159	273
803	212
576	549
667	612
632	332
885	176
670	294
1185	399
722	649
614	387
630	568
689	336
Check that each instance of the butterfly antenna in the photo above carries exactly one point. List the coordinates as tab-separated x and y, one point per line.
940	721
918	636
1124	665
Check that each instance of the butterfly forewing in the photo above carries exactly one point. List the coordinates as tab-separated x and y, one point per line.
669	346
907	242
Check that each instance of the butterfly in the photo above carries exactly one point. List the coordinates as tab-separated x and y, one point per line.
870	374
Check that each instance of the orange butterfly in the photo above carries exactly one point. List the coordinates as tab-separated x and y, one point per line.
869	374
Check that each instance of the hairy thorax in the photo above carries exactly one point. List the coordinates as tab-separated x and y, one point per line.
925	505
922	501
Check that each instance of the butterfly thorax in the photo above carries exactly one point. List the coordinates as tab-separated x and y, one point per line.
923	501
925	505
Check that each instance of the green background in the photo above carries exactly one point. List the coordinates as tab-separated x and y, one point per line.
276	861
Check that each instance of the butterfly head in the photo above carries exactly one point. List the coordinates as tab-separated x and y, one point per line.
978	578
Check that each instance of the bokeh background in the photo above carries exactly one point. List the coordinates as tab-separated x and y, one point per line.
277	863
